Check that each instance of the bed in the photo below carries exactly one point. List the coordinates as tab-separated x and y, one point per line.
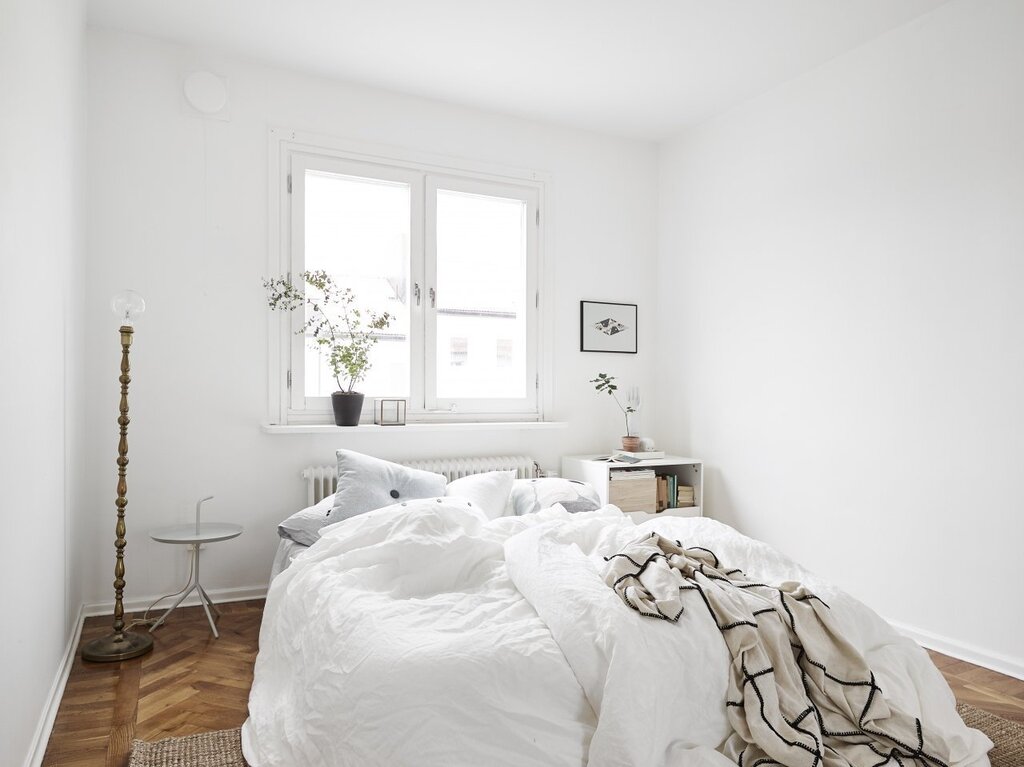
445	630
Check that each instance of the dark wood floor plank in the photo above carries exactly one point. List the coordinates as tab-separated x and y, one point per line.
194	683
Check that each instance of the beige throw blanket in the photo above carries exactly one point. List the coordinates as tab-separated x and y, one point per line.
799	694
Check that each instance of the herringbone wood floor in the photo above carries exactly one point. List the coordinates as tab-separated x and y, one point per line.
190	683
193	683
988	690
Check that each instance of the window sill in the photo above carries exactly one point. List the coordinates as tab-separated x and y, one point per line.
371	428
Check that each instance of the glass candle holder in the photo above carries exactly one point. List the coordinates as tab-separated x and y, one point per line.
389	412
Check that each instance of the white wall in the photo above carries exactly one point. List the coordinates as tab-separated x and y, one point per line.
178	210
842	261
41	122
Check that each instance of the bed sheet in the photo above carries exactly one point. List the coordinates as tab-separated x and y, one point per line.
287	550
425	634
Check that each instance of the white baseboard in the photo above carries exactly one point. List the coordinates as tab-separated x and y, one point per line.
1004	664
41	737
139	604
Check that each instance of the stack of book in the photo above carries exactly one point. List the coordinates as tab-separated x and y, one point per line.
620	474
665	491
671	494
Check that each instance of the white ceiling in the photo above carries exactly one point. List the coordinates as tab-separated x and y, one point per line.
642	68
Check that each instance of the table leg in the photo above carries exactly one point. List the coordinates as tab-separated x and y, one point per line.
213	626
209	601
203	599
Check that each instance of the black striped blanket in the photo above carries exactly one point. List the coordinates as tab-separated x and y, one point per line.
799	694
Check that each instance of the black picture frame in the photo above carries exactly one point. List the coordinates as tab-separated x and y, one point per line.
608	327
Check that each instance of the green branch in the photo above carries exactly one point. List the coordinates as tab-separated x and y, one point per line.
347	339
606	383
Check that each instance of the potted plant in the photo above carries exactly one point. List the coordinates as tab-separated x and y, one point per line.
338	327
606	383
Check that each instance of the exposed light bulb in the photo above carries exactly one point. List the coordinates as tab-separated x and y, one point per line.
128	305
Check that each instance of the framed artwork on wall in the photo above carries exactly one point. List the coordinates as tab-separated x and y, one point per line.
607	327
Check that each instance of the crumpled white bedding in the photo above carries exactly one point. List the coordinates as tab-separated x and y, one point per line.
423	634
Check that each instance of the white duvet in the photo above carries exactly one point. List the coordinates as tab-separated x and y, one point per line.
424	634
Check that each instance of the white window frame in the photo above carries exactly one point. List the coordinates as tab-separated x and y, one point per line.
291	153
530	195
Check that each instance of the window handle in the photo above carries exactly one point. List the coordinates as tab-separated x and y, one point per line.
433	299
416	292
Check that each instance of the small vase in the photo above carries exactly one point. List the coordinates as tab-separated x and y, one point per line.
631	444
348	406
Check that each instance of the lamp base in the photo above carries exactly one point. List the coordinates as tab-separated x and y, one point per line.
117	646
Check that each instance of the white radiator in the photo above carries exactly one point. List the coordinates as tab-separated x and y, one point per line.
322	481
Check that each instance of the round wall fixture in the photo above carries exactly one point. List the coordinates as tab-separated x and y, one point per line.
207	92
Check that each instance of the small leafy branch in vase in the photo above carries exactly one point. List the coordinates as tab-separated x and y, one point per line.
338	327
606	383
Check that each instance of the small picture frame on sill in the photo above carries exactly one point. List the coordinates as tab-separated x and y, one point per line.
389	412
608	327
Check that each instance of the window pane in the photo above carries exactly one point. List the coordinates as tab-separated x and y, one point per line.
481	296
357	230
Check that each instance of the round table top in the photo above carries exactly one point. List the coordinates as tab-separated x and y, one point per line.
209	532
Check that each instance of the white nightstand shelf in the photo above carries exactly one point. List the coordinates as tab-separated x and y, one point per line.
195	535
637	497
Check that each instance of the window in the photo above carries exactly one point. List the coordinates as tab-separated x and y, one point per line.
451	254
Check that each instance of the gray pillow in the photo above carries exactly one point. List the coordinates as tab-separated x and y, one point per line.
304	526
532	495
583	504
366	483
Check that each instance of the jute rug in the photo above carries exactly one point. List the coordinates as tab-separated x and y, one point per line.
223	748
1008	736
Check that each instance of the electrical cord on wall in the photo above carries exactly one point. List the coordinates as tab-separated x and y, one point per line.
145	620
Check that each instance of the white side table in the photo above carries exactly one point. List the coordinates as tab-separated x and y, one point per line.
637	497
196	535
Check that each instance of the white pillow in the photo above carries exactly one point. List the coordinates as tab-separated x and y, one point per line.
366	483
489	491
304	526
532	495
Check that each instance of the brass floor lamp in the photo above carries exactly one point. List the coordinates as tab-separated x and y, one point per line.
121	644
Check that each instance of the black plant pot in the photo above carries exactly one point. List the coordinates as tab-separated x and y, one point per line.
347	407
